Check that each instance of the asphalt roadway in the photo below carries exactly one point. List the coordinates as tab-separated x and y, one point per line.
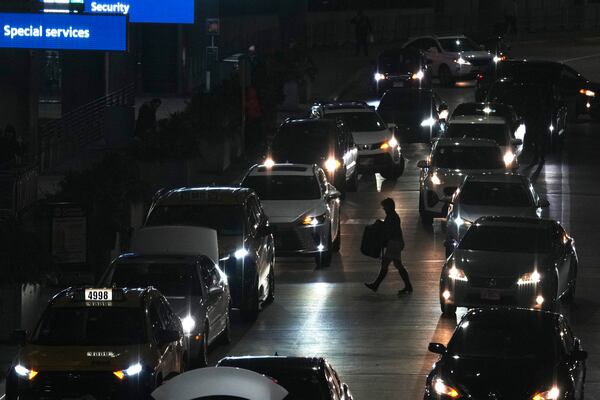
378	341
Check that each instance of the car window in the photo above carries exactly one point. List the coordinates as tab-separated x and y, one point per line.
227	220
284	187
496	194
171	279
498	132
210	275
359	121
569	74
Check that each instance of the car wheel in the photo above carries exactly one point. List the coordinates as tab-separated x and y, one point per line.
445	76
426	217
271	280
251	306
337	243
352	185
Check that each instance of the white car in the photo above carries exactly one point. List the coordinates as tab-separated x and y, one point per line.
378	148
450	161
220	383
488	127
505	194
453	57
302	206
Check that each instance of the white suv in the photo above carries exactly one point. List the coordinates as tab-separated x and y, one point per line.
378	148
452	58
450	161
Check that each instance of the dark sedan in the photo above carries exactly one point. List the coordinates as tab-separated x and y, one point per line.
419	114
401	68
305	378
515	354
501	110
580	94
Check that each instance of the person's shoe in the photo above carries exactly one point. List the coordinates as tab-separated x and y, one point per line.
406	290
371	286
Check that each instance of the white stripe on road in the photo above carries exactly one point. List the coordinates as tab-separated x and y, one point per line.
567	60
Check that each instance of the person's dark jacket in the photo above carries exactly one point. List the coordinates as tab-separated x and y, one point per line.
392	228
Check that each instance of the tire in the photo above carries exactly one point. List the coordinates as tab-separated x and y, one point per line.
352	186
271	279
426	217
251	306
337	243
445	76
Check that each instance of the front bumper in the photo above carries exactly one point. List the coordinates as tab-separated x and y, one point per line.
292	239
487	291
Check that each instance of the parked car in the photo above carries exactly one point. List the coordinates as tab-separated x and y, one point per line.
170	259
444	170
220	383
117	343
521	261
303	209
324	142
246	244
453	58
401	68
509	353
378	148
419	114
504	194
303	377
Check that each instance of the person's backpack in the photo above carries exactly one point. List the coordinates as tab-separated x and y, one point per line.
372	240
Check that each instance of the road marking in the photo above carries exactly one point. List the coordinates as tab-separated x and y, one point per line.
567	60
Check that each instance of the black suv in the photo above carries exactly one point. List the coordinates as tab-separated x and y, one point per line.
327	143
401	68
246	246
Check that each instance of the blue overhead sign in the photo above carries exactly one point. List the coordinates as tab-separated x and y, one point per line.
63	32
150	11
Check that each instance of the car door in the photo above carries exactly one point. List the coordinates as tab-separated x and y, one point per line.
216	307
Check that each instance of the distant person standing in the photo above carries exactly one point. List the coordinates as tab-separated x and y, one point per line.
511	9
146	122
394	244
362	28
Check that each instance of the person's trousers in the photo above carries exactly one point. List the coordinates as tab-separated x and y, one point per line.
384	270
362	43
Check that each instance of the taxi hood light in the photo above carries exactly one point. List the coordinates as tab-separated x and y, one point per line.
24	372
529	277
269	163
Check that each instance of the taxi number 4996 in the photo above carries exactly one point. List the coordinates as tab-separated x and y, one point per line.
98	294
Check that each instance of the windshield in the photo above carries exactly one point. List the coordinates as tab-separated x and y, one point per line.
360	121
496	132
507	239
304	143
169	279
227	220
91	326
517	338
399	62
284	187
468	157
497	194
459	44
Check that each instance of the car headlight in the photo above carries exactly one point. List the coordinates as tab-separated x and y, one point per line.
462	61
133	370
444	389
389	144
428	122
529	277
587	92
498	58
457	274
269	163
418	75
458	221
332	164
509	158
314	220
552	394
25	372
188	323
435	179
444	114
551	128
378	77
240	253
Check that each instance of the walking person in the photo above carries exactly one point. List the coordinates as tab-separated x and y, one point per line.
362	28
394	244
146	122
510	17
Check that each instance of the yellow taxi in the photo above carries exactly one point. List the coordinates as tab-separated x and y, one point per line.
103	343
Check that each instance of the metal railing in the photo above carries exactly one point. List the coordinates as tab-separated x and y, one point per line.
62	139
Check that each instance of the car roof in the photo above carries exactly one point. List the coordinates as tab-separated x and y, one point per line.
74	297
279	363
177	240
234	195
284	169
343	105
494	314
457	36
466	142
516	222
507	177
477	119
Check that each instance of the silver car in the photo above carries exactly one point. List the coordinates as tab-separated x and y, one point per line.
450	161
505	194
517	261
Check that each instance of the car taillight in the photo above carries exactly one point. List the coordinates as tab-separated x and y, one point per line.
479	77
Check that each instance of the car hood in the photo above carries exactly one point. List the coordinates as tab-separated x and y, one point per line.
286	211
483	378
491	263
82	358
371	137
472	212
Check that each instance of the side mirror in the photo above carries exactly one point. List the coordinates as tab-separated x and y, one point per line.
332	195
264	230
19	337
516	142
422	164
578	355
543	203
167	336
437	348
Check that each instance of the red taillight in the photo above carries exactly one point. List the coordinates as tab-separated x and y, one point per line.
479	77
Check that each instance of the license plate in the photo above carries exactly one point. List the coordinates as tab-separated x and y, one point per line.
98	295
399	84
490	295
